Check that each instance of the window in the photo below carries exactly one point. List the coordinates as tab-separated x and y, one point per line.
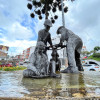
90	62
87	65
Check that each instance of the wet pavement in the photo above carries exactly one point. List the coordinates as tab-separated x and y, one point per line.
82	85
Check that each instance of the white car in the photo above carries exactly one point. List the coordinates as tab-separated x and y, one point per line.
91	67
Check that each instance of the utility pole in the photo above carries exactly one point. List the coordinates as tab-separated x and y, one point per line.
63	19
63	23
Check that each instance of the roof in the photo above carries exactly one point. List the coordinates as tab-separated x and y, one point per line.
84	47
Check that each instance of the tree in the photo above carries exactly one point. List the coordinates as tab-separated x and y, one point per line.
97	48
85	53
91	51
47	8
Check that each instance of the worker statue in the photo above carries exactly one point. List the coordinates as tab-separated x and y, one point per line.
73	46
44	35
38	62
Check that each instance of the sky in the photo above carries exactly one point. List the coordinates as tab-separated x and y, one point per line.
19	31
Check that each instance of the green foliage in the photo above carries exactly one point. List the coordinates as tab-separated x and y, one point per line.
12	68
92	51
0	68
85	53
97	59
0	63
96	48
96	55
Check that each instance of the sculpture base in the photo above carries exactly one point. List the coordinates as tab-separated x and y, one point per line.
39	77
28	73
47	76
70	70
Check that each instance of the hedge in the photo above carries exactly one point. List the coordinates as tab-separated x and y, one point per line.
96	55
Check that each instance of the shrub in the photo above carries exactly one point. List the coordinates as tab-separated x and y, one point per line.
96	55
0	68
12	68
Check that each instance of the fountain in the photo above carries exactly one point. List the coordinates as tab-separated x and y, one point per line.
39	66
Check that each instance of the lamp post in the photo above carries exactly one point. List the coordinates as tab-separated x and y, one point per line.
63	19
63	23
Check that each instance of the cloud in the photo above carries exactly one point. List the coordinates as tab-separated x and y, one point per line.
83	18
16	26
17	38
13	14
17	46
88	15
19	30
14	11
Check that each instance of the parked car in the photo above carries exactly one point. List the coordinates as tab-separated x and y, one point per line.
92	62
21	63
26	62
91	67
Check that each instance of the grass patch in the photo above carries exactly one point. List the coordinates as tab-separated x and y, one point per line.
94	58
12	68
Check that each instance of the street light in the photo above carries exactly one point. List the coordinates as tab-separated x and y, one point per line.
63	23
63	19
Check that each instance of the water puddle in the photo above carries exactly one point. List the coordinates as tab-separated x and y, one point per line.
84	84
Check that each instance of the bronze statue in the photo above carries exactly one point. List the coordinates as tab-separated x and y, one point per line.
38	62
44	35
55	63
73	47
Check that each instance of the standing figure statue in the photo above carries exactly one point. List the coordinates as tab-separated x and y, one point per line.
73	47
44	34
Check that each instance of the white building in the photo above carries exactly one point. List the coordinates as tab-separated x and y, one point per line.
84	48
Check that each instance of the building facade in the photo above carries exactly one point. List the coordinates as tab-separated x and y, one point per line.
3	52
84	48
27	53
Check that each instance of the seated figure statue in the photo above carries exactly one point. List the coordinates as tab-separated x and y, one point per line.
39	64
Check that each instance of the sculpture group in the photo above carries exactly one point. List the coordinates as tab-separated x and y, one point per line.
39	66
